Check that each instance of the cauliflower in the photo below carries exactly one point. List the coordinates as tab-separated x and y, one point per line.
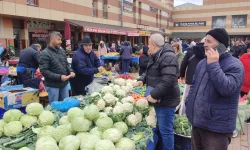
118	110
120	93
101	104
152	112
95	94
107	110
109	98
142	103
107	89
128	107
120	81
132	120
131	82
151	121
118	104
139	116
116	87
111	85
128	99
126	88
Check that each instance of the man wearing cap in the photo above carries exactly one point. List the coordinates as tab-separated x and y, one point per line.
85	64
212	102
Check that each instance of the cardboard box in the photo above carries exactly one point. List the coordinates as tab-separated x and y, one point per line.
18	98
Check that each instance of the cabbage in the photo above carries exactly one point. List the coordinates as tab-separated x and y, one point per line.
1	131
151	121
112	134
45	131
28	121
132	120
75	112
24	148
34	109
91	112
79	124
96	131
2	123
90	141
101	104
122	126
82	135
69	143
61	131
104	123
104	145
101	115
47	146
45	139
128	107
139	116
64	120
13	128
125	144
46	118
12	115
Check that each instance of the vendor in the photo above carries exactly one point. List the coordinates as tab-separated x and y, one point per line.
28	63
85	64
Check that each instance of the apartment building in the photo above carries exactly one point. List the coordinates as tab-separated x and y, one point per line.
23	22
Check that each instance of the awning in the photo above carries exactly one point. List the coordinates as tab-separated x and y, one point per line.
188	35
162	33
102	28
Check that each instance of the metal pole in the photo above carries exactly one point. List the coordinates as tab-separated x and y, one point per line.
121	12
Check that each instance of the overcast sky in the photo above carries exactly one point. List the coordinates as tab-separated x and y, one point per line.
180	2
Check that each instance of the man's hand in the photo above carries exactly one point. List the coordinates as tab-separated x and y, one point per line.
72	75
100	69
139	83
212	56
150	99
64	77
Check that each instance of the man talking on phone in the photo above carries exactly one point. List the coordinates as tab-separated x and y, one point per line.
213	98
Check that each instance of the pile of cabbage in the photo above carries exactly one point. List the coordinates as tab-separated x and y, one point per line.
111	120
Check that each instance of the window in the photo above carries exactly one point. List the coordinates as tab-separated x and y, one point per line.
94	6
32	2
105	8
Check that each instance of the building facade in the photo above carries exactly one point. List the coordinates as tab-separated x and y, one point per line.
192	22
24	21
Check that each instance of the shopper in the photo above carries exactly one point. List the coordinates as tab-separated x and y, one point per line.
102	50
165	95
85	64
188	66
212	102
126	53
178	53
143	60
54	67
236	49
28	63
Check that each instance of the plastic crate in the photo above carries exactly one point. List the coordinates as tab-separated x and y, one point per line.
2	111
182	143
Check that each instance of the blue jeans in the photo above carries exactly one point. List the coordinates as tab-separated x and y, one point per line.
165	120
57	94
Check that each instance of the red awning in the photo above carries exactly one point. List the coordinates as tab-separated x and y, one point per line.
134	33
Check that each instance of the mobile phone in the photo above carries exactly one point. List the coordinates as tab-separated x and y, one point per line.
221	48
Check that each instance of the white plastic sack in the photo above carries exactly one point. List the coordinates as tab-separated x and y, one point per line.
94	87
182	110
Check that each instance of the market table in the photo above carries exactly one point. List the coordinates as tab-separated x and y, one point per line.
133	59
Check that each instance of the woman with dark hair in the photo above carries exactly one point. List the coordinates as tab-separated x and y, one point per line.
143	60
125	53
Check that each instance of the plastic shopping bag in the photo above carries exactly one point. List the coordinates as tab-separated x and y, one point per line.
94	87
182	110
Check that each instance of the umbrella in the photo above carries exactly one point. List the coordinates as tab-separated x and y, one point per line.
67	34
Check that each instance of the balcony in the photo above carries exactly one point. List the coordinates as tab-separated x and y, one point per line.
32	2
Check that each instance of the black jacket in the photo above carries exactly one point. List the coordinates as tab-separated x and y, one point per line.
143	62
29	57
192	58
53	63
161	74
236	51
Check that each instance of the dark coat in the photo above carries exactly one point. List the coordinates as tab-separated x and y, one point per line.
212	102
161	74
53	64
193	56
85	66
126	52
143	62
236	51
29	58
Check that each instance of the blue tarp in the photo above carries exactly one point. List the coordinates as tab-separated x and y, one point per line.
133	59
10	88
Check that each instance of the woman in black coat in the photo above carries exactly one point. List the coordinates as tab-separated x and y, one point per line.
143	60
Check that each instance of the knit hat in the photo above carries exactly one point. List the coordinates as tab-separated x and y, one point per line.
220	34
86	41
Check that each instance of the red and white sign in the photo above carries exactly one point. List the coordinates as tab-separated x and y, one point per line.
104	31
118	32
40	35
135	33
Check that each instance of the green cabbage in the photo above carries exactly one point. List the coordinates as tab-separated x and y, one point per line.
45	131
1	131
96	131
61	131
104	145
64	120
46	118
34	109
125	144
79	124
13	128
89	142
24	148
104	123
91	112
75	112
12	115
47	146
112	134
82	135
45	139
69	143
122	126
28	121
2	123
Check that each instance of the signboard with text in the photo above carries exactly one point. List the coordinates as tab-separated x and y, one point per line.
104	31
190	24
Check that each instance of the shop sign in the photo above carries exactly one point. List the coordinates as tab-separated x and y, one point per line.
127	9
153	9
34	24
104	31
37	35
135	33
190	24
130	2
239	21
219	22
141	26
165	14
118	32
144	33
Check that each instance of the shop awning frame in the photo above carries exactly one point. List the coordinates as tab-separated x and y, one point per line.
188	35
